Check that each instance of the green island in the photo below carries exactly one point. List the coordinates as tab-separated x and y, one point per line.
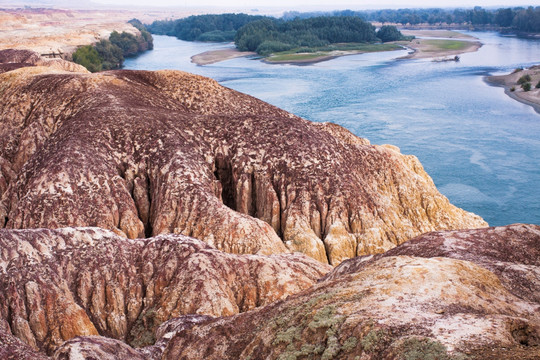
286	41
307	37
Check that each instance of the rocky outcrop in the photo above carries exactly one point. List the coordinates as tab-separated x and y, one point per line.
149	153
14	59
102	348
511	252
58	284
421	301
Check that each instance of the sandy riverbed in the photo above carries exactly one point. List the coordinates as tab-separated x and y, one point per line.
510	81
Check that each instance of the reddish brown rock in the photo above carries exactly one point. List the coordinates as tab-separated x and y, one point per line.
98	347
58	284
12	348
14	59
511	252
396	306
148	153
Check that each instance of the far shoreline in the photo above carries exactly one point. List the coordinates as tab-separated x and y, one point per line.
421	49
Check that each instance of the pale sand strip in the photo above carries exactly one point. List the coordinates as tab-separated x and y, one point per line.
423	50
214	56
508	81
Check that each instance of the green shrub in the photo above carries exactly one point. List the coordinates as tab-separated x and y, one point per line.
513	88
524	79
526	86
88	57
538	85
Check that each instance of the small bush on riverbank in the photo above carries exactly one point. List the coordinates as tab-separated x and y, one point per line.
524	79
526	86
513	88
538	85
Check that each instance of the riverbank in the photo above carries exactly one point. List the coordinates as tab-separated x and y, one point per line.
307	58
214	56
443	43
438	44
513	88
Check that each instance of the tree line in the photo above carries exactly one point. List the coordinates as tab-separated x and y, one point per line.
268	35
109	54
214	28
518	19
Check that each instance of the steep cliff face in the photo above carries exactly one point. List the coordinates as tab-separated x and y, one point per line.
58	284
418	302
149	153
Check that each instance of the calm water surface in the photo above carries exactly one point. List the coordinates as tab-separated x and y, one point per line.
481	148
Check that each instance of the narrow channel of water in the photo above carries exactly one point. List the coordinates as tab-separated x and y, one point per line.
481	148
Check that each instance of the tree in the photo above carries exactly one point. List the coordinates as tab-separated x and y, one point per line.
112	55
389	33
88	57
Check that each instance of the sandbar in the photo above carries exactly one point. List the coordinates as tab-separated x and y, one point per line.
214	56
428	48
510	81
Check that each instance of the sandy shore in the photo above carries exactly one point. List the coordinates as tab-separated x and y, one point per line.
510	81
211	57
426	48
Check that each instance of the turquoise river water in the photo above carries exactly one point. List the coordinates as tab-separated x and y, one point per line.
481	148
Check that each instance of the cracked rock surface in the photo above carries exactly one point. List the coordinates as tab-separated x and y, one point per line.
58	284
148	153
450	295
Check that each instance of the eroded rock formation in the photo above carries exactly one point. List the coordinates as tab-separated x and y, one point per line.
58	284
419	301
148	153
14	59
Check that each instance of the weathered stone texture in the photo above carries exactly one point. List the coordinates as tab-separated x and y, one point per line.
58	284
148	153
410	303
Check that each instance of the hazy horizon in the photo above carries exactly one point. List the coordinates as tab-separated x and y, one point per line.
309	4
261	5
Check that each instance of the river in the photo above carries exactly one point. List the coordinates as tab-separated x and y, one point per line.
481	148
